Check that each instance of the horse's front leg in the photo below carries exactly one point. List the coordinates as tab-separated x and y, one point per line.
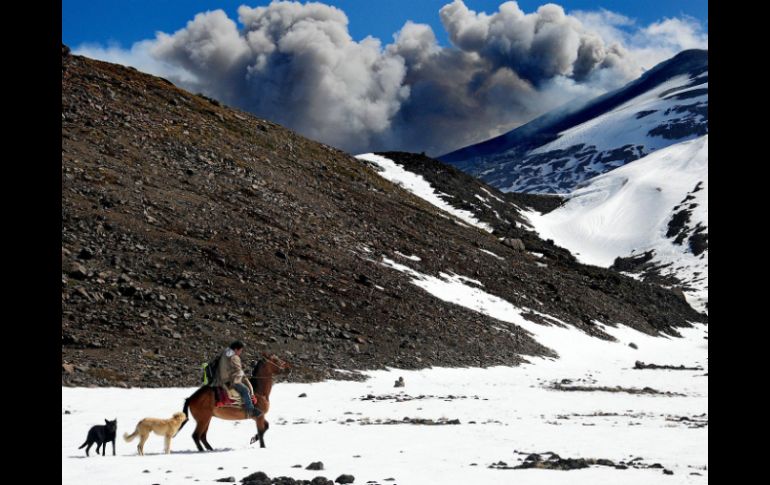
262	427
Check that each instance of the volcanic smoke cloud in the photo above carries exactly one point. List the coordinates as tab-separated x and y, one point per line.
296	64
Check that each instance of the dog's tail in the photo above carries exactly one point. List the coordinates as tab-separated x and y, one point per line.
186	415
129	437
83	445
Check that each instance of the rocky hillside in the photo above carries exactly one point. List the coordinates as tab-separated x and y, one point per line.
187	224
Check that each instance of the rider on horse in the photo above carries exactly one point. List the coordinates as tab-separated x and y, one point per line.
230	375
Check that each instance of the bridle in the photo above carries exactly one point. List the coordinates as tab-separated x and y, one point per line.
282	365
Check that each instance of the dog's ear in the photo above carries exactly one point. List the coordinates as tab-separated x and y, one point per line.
107	421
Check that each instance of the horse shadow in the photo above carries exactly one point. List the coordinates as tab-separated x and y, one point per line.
181	452
187	452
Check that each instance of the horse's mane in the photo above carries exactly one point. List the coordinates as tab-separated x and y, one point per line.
258	366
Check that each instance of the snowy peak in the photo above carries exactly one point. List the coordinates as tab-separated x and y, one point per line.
561	149
649	218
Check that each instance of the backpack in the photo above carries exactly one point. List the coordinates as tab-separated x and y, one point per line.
210	370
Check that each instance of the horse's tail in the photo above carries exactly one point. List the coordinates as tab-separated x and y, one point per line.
197	393
186	415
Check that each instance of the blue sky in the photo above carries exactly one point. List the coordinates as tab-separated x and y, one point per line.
128	21
296	65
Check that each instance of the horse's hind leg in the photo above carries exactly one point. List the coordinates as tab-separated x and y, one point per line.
201	426
204	439
201	407
196	438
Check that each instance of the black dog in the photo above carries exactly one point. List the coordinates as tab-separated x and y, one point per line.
101	435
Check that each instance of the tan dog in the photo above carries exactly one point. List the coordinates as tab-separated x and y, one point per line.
164	427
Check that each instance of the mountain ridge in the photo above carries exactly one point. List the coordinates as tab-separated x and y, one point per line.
520	161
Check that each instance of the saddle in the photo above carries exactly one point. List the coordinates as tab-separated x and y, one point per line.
230	398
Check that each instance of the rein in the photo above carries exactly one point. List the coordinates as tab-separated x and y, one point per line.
280	364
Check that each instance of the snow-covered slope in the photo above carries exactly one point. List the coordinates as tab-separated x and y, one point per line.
449	426
420	187
591	403
653	211
558	151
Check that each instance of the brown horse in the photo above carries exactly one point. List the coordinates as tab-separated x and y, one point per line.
202	403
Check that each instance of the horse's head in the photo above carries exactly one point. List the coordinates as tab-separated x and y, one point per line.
272	364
